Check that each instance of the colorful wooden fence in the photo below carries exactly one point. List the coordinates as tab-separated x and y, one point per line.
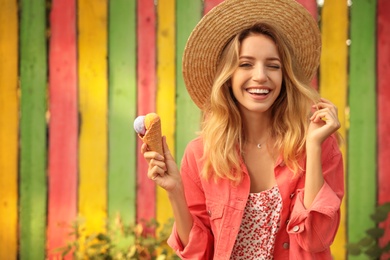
75	73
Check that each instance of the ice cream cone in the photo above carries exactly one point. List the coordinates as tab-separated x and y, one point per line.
153	136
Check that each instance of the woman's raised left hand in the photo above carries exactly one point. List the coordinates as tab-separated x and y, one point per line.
323	122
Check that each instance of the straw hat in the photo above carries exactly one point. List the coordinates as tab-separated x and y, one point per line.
218	26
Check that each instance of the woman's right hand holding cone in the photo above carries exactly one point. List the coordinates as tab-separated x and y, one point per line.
162	169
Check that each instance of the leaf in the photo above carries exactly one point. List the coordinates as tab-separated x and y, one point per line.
103	237
138	230
385	207
375	232
374	251
132	251
379	215
161	257
366	241
386	248
354	249
65	252
96	246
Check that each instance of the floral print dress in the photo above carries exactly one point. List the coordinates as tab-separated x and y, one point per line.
260	223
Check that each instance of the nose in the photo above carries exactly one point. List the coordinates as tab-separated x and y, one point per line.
260	74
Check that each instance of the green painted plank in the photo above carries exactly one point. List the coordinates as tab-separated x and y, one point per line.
187	113
33	80
361	180
122	109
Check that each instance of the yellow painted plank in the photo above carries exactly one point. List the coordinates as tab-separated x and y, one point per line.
166	89
92	68
8	128
334	86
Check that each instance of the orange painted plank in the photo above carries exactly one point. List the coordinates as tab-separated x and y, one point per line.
8	129
63	126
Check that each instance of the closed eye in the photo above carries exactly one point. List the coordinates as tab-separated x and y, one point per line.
274	66
245	64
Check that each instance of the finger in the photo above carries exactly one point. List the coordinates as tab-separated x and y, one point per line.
158	163
323	115
330	109
328	119
155	172
167	152
144	148
322	105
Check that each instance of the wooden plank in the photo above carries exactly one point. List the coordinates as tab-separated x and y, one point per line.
9	125
166	90
122	109
210	4
188	115
362	170
311	6
63	126
334	86
92	69
33	189
383	65
146	96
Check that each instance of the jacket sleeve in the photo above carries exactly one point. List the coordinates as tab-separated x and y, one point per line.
201	240
314	229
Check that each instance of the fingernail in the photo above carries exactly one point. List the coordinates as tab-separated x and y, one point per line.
160	157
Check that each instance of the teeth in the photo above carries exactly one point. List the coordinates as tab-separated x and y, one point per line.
258	91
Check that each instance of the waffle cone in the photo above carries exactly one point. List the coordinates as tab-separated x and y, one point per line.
153	136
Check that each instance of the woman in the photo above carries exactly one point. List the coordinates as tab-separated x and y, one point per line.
264	180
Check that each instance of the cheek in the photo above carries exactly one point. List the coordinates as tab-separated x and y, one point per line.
235	86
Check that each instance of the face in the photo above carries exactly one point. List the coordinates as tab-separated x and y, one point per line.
257	81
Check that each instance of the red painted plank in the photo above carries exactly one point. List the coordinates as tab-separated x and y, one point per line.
63	127
146	85
311	6
383	65
210	4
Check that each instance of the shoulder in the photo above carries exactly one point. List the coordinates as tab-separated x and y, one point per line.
193	152
194	147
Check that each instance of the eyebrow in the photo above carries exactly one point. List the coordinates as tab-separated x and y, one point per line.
252	58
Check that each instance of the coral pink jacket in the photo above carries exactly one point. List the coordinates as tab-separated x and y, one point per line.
217	209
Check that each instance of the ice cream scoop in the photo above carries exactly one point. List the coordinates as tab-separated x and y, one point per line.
148	128
139	125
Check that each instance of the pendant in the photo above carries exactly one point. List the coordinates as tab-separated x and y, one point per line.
259	146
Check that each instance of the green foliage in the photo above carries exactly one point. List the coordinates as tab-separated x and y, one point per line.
121	242
368	245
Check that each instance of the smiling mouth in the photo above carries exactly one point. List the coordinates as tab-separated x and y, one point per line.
258	91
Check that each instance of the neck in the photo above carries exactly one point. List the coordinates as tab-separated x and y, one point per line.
256	128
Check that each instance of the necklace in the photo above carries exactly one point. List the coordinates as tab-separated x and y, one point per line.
258	145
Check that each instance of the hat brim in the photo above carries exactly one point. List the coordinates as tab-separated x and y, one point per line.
217	27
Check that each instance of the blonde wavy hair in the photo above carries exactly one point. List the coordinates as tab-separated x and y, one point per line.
222	124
